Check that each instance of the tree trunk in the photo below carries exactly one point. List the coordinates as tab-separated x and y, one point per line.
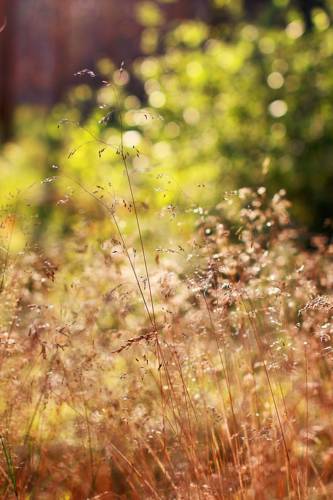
7	68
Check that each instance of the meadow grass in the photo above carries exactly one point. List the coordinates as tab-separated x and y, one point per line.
198	371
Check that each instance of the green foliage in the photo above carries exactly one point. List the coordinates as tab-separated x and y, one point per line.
220	113
254	110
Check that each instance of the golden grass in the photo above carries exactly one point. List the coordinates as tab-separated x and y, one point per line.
220	386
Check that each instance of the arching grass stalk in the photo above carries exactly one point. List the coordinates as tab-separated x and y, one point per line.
110	211
123	155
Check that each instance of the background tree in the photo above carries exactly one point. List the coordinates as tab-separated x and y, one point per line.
8	10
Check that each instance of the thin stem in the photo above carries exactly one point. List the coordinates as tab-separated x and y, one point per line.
124	159
115	222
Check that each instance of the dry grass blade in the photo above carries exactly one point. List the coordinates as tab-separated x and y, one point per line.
10	474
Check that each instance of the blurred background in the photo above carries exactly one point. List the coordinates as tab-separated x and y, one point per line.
215	95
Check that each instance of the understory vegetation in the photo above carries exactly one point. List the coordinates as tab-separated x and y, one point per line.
164	332
203	370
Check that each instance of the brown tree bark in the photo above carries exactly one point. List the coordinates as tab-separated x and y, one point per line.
7	67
